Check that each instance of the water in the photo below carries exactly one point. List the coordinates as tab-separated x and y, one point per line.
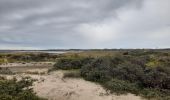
32	51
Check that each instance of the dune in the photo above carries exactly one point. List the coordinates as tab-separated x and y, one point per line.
54	87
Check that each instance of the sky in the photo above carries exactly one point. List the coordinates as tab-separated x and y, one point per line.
84	24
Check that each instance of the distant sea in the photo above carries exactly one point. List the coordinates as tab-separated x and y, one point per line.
32	51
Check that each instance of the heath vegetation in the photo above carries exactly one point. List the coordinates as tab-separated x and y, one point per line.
141	72
17	90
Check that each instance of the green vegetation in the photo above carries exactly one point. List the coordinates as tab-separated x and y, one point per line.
72	74
26	57
141	72
35	73
17	90
71	63
6	71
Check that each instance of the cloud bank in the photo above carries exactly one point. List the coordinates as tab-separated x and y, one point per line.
45	24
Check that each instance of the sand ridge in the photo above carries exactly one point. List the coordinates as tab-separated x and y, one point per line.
54	87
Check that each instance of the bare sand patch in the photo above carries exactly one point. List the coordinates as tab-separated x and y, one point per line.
28	64
54	87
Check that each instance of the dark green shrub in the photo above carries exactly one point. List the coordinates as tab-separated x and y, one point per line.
68	64
72	74
157	78
6	97
71	63
121	87
127	72
98	70
156	93
27	95
5	71
17	90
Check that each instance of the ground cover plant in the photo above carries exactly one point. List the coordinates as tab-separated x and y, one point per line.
17	90
26	57
141	72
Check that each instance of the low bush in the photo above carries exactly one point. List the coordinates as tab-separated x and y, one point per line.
17	90
132	72
72	74
121	87
5	71
71	63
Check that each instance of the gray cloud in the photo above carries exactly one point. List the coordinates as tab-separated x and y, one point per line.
46	24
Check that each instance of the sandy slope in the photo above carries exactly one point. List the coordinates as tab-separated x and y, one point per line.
54	87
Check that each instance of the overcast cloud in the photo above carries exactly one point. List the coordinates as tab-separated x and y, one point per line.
46	24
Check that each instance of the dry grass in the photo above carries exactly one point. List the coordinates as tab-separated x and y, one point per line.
91	54
72	74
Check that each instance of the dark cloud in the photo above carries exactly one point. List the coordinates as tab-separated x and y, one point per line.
82	23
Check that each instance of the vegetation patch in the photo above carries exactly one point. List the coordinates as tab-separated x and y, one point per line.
35	72
71	63
72	74
6	71
17	90
144	73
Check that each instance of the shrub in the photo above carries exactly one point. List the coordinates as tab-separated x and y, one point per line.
121	87
134	72
128	71
72	74
157	78
71	63
5	71
17	90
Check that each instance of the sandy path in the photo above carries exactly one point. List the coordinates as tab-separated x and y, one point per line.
54	87
25	64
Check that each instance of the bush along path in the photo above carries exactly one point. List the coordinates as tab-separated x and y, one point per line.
145	74
17	90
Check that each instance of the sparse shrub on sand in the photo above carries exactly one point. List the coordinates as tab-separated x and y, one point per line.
6	71
17	90
132	72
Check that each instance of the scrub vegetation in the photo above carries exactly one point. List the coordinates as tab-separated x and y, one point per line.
141	72
17	90
26	57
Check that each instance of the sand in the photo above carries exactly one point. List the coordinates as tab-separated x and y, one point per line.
54	87
28	64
